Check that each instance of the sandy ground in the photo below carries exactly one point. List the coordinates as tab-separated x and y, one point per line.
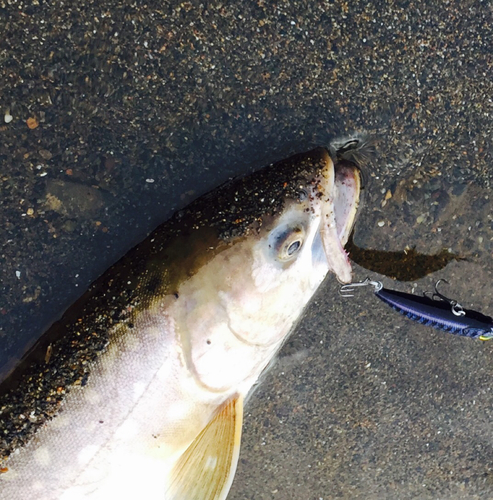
113	115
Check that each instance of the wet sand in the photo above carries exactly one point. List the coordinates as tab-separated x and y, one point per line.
114	116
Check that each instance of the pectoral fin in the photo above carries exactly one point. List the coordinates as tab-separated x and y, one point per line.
206	470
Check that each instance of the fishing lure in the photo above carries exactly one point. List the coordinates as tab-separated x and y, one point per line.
436	311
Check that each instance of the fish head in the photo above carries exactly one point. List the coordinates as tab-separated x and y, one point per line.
305	238
283	230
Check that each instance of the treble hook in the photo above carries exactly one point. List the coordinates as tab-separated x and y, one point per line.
346	290
457	309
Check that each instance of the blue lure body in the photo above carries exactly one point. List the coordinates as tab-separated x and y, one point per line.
438	311
439	314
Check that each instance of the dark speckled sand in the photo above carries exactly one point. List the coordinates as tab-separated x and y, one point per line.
114	114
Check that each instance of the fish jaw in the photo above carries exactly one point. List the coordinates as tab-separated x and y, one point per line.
341	199
348	187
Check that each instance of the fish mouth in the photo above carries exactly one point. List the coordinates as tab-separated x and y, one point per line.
339	215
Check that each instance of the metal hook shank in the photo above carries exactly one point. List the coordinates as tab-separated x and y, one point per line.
347	290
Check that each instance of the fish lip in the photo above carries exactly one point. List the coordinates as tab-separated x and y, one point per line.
348	177
343	188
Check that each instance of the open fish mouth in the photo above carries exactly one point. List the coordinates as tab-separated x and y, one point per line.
347	185
338	217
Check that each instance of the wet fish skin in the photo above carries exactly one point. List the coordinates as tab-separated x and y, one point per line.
165	346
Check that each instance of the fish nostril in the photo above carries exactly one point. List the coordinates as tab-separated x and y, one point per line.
302	195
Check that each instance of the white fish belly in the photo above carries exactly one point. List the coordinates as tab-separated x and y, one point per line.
139	409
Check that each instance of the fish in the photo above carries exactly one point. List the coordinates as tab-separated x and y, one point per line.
138	390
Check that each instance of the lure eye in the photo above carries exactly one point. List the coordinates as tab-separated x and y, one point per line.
289	243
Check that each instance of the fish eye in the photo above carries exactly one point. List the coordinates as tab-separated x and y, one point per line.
289	243
294	247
